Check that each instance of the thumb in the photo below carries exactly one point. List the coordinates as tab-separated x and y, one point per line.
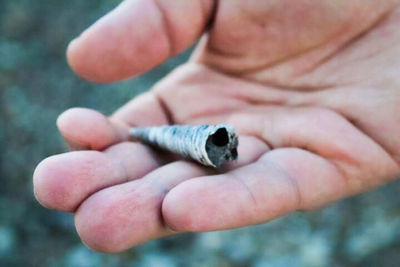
136	36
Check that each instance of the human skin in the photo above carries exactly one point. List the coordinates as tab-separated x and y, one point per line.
312	87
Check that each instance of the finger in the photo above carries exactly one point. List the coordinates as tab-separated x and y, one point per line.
363	162
121	216
276	184
89	129
136	36
63	181
376	110
337	161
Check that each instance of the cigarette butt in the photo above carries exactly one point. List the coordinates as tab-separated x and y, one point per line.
211	145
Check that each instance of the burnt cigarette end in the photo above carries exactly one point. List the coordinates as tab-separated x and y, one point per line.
222	147
211	145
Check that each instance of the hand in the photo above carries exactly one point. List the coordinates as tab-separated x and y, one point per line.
313	88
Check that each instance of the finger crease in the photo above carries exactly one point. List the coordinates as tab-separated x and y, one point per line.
249	191
289	177
122	169
164	106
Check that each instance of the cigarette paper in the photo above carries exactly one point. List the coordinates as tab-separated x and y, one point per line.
211	145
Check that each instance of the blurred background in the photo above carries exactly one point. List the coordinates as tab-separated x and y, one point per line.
36	85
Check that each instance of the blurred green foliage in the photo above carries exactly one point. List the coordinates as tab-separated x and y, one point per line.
36	85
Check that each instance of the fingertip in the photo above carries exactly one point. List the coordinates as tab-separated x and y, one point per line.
74	57
208	203
137	36
38	175
66	120
127	41
174	211
85	60
63	181
90	128
50	189
71	117
180	208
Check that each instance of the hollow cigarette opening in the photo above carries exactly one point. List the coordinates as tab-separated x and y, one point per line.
221	147
220	137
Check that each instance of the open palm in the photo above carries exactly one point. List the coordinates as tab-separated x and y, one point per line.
313	89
